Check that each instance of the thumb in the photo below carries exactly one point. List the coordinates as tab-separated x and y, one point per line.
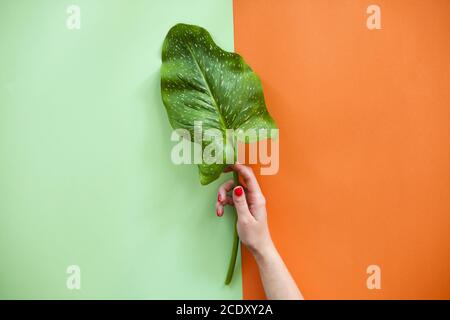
240	203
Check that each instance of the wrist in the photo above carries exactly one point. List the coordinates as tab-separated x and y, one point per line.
264	252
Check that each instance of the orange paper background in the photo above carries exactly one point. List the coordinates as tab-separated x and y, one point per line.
364	143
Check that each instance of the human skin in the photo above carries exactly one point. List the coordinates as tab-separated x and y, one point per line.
254	233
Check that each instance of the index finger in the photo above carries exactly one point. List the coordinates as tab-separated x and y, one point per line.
247	175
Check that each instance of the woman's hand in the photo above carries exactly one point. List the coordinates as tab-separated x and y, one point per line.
250	205
254	232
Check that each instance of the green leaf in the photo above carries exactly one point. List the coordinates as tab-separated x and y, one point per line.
202	82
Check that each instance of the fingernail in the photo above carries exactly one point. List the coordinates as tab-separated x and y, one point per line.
219	213
238	191
219	198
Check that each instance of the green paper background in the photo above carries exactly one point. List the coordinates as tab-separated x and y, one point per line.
85	172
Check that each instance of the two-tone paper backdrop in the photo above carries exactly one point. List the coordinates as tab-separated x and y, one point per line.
85	171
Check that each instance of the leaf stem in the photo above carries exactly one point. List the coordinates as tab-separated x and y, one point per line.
234	251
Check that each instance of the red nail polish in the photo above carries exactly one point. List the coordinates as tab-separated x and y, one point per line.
238	191
219	214
219	198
